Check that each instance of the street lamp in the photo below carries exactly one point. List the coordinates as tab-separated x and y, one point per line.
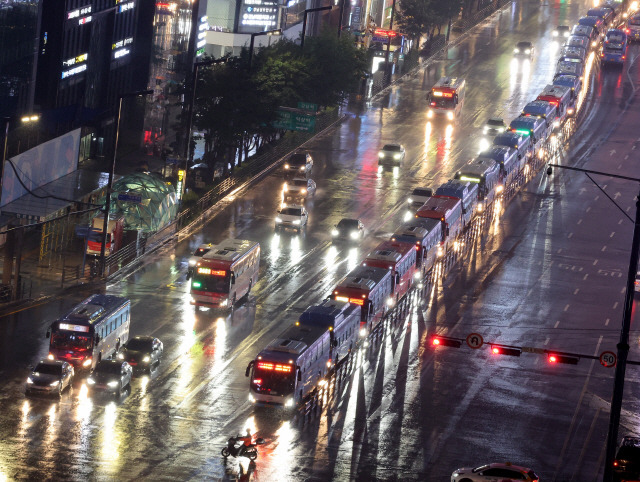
623	344
107	206
277	31
194	82
304	21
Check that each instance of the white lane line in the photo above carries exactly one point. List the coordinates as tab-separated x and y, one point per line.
588	209
620	222
585	277
557	323
576	291
560	251
595	261
606	323
596	198
546	342
628	207
604	248
613	233
580	221
570	235
625	158
623	290
566	307
615	305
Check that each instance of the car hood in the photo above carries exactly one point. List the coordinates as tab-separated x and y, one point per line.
105	377
135	354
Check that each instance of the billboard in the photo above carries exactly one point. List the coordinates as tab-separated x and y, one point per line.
40	165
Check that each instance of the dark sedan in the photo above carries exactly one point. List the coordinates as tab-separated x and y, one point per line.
110	376
142	352
348	230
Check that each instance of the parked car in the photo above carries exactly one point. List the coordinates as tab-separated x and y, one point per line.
50	377
110	376
142	352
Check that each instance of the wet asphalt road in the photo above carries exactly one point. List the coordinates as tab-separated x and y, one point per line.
548	271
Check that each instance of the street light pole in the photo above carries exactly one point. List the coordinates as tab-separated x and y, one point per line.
623	344
105	224
277	31
304	21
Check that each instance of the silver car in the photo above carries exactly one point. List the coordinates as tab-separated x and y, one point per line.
298	188
50	377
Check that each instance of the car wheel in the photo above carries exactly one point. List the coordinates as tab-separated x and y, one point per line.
225	452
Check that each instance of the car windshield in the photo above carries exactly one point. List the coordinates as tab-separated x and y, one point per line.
211	283
524	45
299	182
348	223
495	123
291	212
562	28
70	341
139	344
629	453
201	251
108	367
48	369
298	159
392	148
422	192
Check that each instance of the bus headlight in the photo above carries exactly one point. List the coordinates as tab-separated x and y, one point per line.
278	220
120	356
389	302
289	402
440	252
555	33
286	166
87	362
570	111
417	275
409	200
303	191
252	398
450	115
363	332
50	356
224	303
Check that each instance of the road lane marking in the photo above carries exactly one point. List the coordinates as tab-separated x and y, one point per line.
615	305
596	198
585	277
595	261
620	222
566	307
557	323
570	235
588	209
546	342
576	291
606	323
580	221
604	248
613	233
560	251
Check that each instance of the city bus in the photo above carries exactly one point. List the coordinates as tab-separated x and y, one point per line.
371	289
561	97
485	172
92	331
400	258
614	48
225	273
295	363
466	191
449	212
446	98
425	234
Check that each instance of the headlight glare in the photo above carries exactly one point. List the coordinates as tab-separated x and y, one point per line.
91	381
334	232
29	380
278	220
87	362
112	384
296	222
146	359
55	383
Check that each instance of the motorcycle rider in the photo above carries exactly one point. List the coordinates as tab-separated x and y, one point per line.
246	441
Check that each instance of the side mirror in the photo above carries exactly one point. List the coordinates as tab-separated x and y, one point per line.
299	375
260	441
97	339
233	278
47	334
246	373
429	97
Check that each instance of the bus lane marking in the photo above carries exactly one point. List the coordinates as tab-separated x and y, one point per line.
557	323
579	221
606	323
615	305
566	307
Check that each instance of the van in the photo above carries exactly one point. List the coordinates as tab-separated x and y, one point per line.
588	32
596	23
534	127
569	67
522	144
573	52
541	109
578	41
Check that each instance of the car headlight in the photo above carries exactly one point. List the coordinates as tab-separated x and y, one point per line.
285	188
354	234
594	43
112	384
278	220
380	155
440	251
499	188
397	156
485	129
389	301
120	356
569	111
146	359
29	380
417	275
91	381
566	34
556	124
450	115
87	362
303	191
54	384
409	200
555	33
516	51
289	402
302	168
363	332
286	166
297	221
192	262
252	398
501	129
528	51
334	232
50	356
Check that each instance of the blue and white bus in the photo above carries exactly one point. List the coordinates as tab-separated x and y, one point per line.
92	331
614	48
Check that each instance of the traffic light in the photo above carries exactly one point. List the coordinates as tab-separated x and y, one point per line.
437	340
555	358
503	350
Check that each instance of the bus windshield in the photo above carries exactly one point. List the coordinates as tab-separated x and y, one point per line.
210	283
267	379
70	341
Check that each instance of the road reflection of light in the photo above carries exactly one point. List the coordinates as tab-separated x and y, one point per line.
448	140
396	174
513	75
274	252
497	211
484	144
280	456
353	258
110	441
296	251
186	344
526	69
427	137
251	425
85	404
330	259
586	75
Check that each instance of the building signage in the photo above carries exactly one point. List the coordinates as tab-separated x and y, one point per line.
356	17
74	71
78	12
258	15
382	35
122	43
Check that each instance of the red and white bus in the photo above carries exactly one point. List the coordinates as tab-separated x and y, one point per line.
446	97
370	288
226	273
449	211
398	257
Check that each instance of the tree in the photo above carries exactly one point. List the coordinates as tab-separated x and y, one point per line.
415	18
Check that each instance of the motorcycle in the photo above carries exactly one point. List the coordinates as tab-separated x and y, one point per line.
242	450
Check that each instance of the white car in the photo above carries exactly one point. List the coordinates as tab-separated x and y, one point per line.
418	197
197	254
391	155
494	126
293	216
494	473
298	188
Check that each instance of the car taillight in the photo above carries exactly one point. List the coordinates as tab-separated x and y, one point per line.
615	463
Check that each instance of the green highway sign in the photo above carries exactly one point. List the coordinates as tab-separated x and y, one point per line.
308	106
294	121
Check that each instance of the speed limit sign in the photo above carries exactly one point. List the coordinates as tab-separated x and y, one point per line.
608	359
